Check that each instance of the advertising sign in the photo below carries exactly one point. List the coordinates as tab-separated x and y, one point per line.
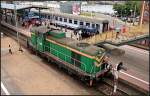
76	9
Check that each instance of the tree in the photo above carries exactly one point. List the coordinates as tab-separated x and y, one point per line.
124	9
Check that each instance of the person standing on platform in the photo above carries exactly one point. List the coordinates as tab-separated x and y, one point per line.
10	49
123	31
30	27
65	28
71	34
117	35
80	34
43	23
20	48
61	29
118	32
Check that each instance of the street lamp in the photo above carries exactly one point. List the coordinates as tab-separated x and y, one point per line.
16	25
115	16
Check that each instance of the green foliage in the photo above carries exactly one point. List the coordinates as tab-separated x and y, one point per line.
124	9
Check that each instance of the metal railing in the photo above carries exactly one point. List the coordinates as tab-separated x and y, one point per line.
58	53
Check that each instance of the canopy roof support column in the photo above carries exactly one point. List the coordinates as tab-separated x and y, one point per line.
12	13
40	15
6	15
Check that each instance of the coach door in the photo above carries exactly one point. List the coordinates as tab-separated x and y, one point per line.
105	27
98	27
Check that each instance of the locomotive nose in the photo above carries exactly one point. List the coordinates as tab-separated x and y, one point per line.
106	62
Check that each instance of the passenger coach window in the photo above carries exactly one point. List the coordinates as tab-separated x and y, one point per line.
75	22
88	24
81	23
65	20
60	19
70	21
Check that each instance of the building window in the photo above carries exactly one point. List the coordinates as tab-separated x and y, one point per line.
70	21
81	23
75	22
60	19
65	20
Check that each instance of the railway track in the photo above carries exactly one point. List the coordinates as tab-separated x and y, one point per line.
103	87
107	89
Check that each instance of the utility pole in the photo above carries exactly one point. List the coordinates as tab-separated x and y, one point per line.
134	15
131	17
142	13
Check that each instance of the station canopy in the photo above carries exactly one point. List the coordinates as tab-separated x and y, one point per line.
11	6
18	7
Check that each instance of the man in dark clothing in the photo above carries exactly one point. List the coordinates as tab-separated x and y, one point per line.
117	35
20	48
65	28
10	50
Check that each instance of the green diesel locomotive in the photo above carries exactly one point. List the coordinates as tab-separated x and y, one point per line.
85	60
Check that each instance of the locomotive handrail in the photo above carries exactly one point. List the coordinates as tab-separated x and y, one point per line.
58	52
70	58
92	69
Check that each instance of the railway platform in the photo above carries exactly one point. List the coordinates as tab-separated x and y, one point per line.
134	81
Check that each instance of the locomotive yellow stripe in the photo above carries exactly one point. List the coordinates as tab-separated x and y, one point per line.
92	57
